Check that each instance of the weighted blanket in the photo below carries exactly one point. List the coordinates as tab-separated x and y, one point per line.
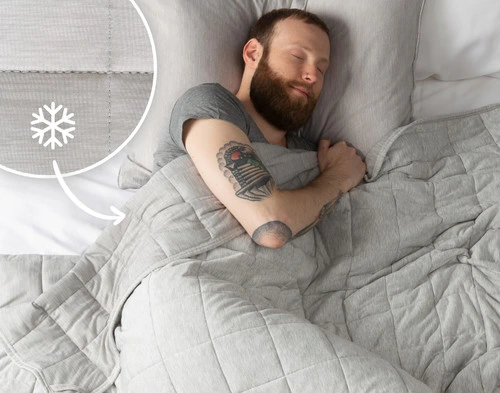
396	290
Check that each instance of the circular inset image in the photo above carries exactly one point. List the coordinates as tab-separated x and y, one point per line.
77	79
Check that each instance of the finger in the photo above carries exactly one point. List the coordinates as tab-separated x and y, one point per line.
324	144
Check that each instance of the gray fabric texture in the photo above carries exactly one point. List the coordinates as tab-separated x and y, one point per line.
366	94
22	279
397	290
212	101
93	57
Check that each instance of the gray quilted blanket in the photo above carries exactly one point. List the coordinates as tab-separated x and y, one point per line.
397	290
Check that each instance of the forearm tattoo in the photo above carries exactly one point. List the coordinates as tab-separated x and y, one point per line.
246	172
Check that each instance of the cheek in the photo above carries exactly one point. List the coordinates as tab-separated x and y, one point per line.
286	70
318	87
289	73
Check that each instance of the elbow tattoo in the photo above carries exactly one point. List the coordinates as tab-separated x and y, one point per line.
272	233
278	233
246	172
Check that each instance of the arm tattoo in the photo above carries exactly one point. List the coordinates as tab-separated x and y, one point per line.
251	180
246	172
276	229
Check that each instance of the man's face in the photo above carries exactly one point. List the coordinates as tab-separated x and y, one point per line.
288	80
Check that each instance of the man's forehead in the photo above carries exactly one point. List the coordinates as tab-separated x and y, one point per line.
293	32
292	23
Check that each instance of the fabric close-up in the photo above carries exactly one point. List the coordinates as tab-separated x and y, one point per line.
394	287
75	77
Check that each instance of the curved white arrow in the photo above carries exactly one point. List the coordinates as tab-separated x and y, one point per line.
118	217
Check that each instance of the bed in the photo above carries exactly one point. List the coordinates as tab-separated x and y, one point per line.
397	290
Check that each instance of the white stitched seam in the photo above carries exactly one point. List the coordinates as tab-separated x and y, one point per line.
74	72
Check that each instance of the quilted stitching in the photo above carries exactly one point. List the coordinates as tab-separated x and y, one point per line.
218	310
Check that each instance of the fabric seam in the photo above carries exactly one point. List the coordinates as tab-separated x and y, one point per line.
74	72
415	58
156	337
285	375
481	313
386	286
440	322
209	331
109	74
467	173
301	370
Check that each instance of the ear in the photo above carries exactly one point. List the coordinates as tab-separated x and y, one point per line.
252	52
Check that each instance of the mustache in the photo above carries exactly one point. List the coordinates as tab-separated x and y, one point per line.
304	87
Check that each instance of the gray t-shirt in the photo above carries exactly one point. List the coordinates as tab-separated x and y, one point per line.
211	101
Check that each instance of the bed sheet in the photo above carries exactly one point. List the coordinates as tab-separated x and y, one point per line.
39	218
434	97
458	60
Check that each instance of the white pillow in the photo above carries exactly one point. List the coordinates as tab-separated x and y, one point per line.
366	94
459	39
196	42
367	91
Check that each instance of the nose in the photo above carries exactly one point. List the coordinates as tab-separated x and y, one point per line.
310	74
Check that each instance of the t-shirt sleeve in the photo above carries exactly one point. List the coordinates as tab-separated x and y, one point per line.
207	101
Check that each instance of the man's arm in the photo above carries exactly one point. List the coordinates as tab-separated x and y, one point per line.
232	170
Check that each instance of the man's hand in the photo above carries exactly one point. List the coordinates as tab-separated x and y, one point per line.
340	164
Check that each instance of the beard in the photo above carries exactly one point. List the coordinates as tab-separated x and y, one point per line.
271	98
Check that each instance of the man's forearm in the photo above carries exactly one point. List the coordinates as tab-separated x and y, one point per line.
289	213
322	213
300	210
278	233
227	162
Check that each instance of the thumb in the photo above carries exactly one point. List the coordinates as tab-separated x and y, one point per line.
324	144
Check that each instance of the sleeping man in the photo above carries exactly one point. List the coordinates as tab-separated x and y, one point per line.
286	58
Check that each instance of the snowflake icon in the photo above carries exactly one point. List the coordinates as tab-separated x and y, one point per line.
53	126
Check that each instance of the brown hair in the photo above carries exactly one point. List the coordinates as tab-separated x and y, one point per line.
263	29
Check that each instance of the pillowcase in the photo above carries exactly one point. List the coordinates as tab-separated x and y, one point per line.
196	42
367	90
366	93
459	40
